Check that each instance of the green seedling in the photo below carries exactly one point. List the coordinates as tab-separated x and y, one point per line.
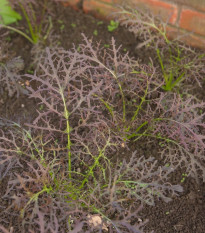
8	38
112	26
73	25
95	32
106	45
30	71
60	21
62	27
99	22
161	144
78	48
184	175
41	107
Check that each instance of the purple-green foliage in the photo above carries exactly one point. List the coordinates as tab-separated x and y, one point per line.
117	71
52	210
184	124
9	160
59	74
177	120
74	83
60	78
179	61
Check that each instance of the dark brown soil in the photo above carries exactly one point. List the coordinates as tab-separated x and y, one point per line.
185	213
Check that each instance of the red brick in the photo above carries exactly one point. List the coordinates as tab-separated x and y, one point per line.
107	1
186	37
167	11
196	4
73	3
98	8
192	21
195	41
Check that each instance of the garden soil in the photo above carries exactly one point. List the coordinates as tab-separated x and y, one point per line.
186	212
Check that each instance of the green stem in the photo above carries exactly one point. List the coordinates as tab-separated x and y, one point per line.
42	15
19	32
163	33
33	35
162	138
162	66
142	125
110	109
92	168
35	198
140	105
134	134
68	130
119	85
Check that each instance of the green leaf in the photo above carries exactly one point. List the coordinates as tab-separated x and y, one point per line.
7	15
106	45
100	23
95	32
113	25
73	25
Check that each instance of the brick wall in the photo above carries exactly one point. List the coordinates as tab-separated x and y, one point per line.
185	16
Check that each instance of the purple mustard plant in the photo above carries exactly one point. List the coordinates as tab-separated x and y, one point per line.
67	174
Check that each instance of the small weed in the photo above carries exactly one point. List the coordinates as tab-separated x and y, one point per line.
62	24
106	45
62	27
99	22
73	25
112	26
95	33
41	107
60	21
78	48
30	71
8	38
184	175
161	144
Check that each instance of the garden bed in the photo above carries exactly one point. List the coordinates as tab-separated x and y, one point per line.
184	213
